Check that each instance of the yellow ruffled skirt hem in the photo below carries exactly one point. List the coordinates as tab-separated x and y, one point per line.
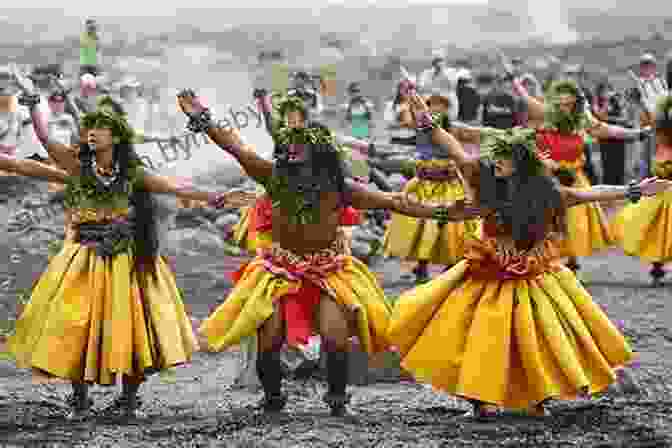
512	343
422	239
588	230
245	237
88	320
252	301
649	229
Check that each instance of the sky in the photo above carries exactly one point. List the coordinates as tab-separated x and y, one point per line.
170	7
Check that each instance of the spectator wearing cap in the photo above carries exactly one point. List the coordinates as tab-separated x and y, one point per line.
649	89
443	79
358	112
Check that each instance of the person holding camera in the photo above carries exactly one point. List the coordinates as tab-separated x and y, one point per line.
609	108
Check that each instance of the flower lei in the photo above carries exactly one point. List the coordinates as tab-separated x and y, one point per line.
87	191
556	119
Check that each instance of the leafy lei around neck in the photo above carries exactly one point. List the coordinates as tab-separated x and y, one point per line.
299	194
88	192
309	135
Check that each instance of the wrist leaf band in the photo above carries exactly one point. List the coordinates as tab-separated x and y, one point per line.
440	214
200	122
29	100
633	192
424	122
217	200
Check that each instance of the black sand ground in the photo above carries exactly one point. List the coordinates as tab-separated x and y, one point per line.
196	408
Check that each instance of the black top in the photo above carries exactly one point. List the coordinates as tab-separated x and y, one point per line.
469	101
499	109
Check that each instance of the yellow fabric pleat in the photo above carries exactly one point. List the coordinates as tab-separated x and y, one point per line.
649	228
422	239
87	320
247	238
512	343
251	302
588	230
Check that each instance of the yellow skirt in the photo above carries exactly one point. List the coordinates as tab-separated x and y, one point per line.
649	228
252	301
88	319
587	226
244	237
422	239
513	343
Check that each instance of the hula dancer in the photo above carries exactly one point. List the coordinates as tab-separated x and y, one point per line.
306	270
107	304
647	223
437	181
567	123
510	326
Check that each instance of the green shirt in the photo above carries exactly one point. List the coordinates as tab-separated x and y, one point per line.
88	52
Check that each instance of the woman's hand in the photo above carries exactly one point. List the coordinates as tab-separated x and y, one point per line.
418	104
189	102
233	199
653	185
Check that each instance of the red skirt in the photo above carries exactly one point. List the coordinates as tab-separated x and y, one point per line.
297	309
350	217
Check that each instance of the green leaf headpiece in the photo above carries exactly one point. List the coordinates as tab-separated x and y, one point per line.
557	119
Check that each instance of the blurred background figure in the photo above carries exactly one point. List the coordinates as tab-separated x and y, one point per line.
303	88
358	113
650	87
89	43
15	121
500	106
609	106
468	98
443	79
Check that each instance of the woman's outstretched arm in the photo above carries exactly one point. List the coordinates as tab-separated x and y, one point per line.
605	193
228	139
32	168
185	189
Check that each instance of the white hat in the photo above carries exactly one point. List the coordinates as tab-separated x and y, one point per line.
647	58
465	74
129	82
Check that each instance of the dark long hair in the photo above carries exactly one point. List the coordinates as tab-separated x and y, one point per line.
327	165
529	202
146	234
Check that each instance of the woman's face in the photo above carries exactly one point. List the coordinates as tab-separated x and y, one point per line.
567	103
504	167
101	138
295	120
